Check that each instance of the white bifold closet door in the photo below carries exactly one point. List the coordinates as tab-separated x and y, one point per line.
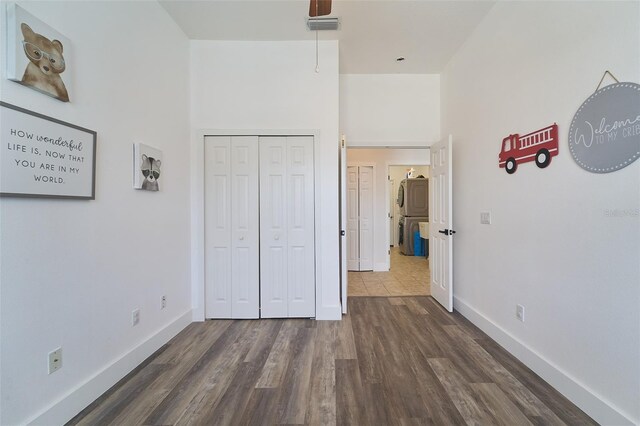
287	260
360	218
231	227
353	227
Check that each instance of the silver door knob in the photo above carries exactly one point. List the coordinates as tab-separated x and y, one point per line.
241	238
277	237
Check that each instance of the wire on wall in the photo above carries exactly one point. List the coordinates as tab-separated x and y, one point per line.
602	79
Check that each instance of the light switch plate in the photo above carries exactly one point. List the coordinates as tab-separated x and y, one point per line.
135	317
485	218
520	312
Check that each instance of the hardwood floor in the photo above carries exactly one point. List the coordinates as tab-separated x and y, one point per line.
391	361
408	276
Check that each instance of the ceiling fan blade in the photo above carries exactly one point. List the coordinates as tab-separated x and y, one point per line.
319	7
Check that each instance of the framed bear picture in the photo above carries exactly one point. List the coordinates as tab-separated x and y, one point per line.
37	55
146	167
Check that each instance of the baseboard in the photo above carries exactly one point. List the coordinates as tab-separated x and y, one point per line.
587	400
76	400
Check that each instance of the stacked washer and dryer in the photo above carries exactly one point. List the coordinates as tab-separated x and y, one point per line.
413	201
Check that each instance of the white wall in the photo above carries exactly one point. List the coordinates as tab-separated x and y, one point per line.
72	271
390	109
271	86
551	246
381	158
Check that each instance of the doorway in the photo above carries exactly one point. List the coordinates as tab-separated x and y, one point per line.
392	273
397	173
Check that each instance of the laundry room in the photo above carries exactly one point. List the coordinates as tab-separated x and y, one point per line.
409	202
387	204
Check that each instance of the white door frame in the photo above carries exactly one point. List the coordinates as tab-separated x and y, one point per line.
342	169
391	214
388	196
197	209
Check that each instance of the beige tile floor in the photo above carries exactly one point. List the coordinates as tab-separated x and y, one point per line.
409	276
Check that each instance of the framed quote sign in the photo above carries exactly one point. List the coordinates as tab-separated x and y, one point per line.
44	157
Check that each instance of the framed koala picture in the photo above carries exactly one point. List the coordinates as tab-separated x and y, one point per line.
146	167
37	55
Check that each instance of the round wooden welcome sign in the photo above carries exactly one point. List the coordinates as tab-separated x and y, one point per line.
605	132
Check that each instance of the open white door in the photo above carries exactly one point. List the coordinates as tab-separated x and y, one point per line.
343	224
440	224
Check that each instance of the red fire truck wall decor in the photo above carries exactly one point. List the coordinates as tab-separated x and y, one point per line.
540	146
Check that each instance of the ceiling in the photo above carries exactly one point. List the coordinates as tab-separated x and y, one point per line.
372	34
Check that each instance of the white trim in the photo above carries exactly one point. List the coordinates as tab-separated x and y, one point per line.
380	145
197	213
525	156
361	164
342	222
586	399
84	394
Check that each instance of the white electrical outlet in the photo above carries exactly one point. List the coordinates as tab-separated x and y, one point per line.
485	218
520	312
135	317
55	360
164	302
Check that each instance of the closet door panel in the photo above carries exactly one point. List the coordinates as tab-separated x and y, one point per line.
218	251
273	230
353	228
366	218
301	224
244	227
